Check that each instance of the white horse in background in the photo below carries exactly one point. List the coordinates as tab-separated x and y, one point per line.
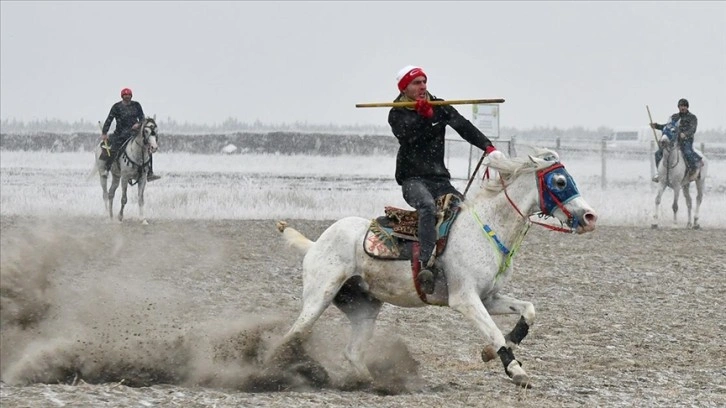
672	173
130	164
476	264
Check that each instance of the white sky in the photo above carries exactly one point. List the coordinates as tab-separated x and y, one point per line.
558	64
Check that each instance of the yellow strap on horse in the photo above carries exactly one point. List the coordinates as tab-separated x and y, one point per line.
505	254
106	147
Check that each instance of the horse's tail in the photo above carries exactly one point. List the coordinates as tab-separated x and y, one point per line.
95	170
294	237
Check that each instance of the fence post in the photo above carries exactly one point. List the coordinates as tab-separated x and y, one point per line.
603	178
557	143
512	148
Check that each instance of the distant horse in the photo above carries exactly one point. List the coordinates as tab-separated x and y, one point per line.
476	264
130	164
672	173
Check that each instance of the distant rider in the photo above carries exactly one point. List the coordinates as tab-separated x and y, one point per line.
420	168
686	129
128	115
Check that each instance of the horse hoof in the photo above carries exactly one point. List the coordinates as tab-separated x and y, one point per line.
522	380
315	373
696	226
653	226
144	222
488	354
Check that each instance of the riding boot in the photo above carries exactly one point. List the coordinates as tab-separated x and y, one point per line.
427	276
151	176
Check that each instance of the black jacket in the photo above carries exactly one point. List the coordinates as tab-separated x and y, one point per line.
688	124
126	116
421	140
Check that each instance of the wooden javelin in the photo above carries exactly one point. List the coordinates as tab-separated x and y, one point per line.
651	121
412	104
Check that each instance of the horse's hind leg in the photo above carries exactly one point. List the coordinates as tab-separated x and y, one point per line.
689	203
112	194
699	198
104	187
361	309
317	295
501	304
472	307
676	193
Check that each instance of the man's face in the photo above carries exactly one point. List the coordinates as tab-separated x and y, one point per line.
416	89
682	108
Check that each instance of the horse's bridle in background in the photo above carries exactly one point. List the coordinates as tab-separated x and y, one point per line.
142	130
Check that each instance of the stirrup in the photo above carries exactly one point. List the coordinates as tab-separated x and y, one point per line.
655	179
427	280
427	275
152	177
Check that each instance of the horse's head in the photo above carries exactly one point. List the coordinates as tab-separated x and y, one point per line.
558	195
670	134
148	132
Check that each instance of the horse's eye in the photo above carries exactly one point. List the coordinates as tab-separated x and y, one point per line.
559	182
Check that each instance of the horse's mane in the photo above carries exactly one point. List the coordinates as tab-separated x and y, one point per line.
511	168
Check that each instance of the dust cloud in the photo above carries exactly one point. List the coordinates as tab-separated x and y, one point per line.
83	301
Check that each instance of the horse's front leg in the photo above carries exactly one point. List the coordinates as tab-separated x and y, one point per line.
142	187
124	197
472	307
500	305
658	196
112	194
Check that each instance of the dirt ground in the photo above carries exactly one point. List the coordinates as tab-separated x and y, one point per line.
178	313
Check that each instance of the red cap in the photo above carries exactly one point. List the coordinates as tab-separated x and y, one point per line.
408	74
126	91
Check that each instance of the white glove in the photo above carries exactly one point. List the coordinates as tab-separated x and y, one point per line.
496	155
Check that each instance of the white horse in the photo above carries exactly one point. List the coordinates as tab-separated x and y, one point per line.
475	264
672	173
131	164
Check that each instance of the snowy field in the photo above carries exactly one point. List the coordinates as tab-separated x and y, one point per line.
213	187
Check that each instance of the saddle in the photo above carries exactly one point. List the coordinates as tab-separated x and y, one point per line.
394	236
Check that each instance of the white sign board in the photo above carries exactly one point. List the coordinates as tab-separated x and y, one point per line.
486	118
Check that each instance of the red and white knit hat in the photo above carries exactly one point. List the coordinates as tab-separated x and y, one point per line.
408	74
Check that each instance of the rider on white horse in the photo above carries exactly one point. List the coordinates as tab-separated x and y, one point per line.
128	115
684	124
420	168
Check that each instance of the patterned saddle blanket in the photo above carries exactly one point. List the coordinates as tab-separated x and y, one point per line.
393	235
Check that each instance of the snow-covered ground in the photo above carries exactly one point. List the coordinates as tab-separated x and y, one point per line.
309	187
